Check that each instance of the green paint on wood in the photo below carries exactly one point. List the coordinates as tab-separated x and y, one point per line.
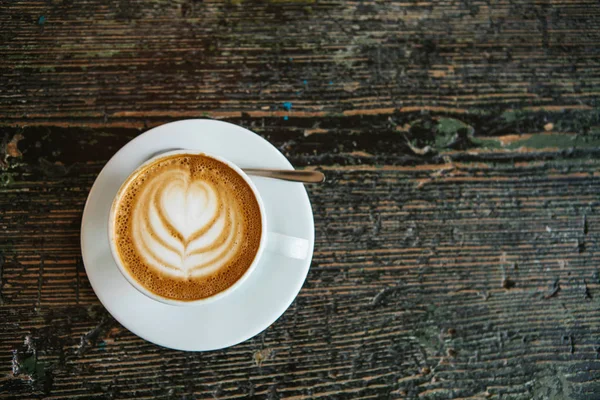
511	116
33	367
47	68
545	141
542	141
450	125
447	131
101	53
6	179
435	135
487	143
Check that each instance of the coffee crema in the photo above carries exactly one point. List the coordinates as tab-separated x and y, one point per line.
187	226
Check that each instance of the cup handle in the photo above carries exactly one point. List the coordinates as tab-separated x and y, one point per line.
288	246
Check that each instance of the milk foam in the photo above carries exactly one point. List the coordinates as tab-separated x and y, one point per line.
187	226
183	226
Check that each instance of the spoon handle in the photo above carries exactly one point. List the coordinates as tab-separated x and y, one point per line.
288	175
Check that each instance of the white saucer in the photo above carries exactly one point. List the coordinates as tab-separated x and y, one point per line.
247	311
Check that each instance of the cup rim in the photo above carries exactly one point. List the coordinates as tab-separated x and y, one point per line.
139	287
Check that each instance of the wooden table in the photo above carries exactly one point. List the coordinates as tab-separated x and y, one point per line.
456	235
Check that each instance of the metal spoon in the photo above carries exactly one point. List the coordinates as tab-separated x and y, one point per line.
283	174
288	175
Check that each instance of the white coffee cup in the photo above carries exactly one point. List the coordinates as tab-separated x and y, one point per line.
288	246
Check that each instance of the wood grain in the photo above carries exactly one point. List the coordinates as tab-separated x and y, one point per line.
456	234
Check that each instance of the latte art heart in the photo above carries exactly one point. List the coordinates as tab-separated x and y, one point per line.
187	227
184	227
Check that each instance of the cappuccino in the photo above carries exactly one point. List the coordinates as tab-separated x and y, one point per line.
186	226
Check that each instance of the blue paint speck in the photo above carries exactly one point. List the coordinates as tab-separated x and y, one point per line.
331	82
291	58
41	20
286	118
102	345
305	82
287	106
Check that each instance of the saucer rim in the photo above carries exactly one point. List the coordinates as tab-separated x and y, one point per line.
248	334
